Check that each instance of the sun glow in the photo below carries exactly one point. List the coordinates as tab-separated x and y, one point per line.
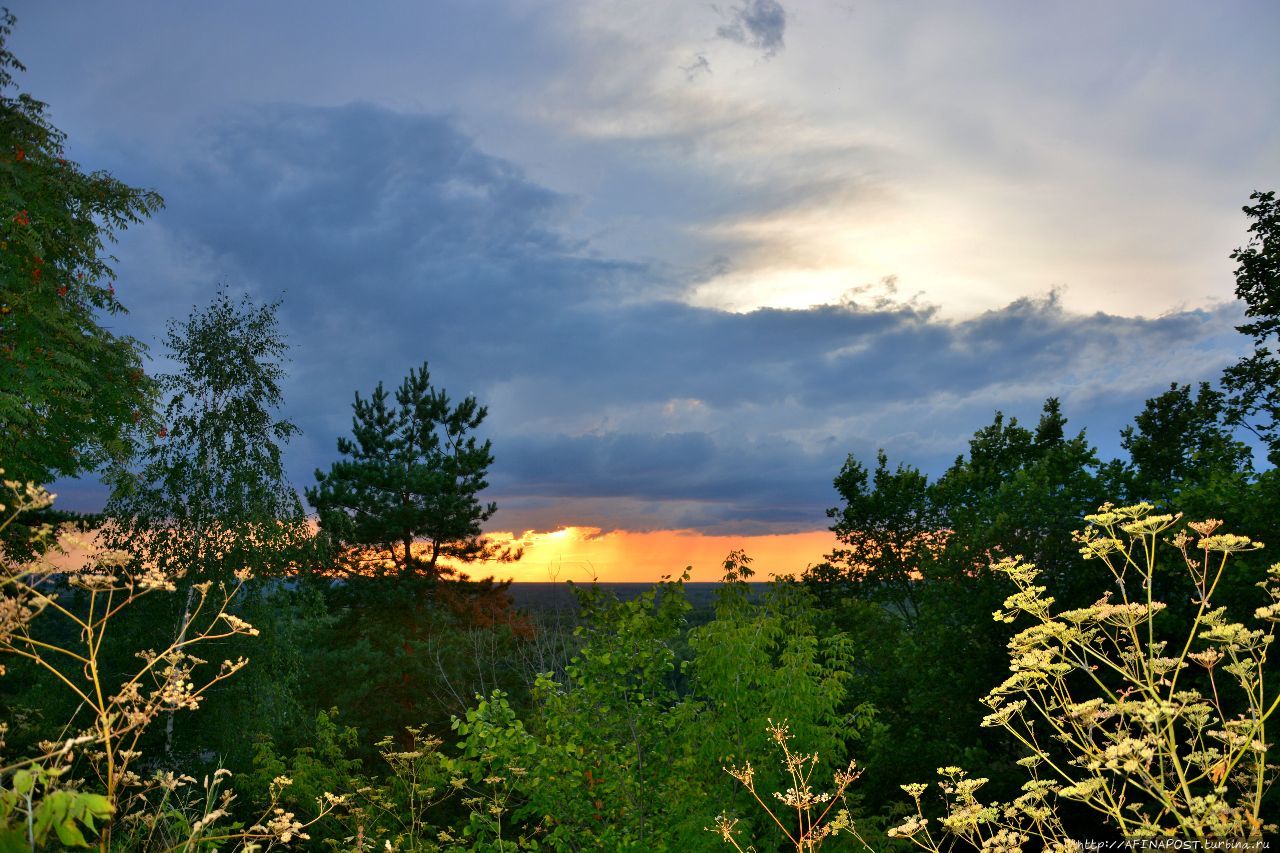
583	554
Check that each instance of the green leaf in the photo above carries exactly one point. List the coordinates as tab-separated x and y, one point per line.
24	781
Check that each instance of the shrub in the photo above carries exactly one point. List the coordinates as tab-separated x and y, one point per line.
86	779
1159	731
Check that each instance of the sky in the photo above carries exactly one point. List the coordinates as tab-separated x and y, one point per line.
690	255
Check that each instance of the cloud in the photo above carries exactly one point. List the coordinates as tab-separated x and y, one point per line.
394	239
698	65
759	23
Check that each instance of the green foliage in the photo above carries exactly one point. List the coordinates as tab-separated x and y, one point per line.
888	528
208	499
808	818
1253	383
325	766
413	652
1020	491
1180	443
211	496
70	390
35	808
602	770
1157	727
757	662
910	586
412	472
627	752
82	770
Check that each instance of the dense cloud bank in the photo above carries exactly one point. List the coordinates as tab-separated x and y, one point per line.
392	238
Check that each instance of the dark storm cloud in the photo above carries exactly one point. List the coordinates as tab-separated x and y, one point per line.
757	23
396	240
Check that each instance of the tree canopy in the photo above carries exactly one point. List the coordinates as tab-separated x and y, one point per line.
411	472
71	390
211	495
1253	383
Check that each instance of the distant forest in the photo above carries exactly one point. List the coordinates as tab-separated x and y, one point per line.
1036	647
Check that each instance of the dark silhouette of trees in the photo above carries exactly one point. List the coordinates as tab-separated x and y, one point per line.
1179	442
1253	383
411	473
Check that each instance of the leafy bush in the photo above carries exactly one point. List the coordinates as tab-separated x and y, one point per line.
1159	728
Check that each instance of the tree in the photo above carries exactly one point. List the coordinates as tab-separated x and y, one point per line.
886	532
70	390
1017	491
1253	383
211	500
913	585
1180	441
211	496
411	472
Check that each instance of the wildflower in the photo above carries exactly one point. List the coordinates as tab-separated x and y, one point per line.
1128	755
910	827
1001	716
1206	527
1270	613
1005	841
1099	546
1232	635
212	817
1017	570
1229	543
238	625
283	826
1104	517
1086	712
1135	510
724	826
1149	524
153	579
744	774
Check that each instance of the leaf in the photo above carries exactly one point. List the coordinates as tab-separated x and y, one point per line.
24	781
13	841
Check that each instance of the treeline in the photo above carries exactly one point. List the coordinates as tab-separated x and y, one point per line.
217	673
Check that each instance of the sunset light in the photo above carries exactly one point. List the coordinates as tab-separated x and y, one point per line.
584	554
396	364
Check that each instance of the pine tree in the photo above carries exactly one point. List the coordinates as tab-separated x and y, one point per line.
411	474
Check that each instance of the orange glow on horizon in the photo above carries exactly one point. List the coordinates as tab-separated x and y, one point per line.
581	554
